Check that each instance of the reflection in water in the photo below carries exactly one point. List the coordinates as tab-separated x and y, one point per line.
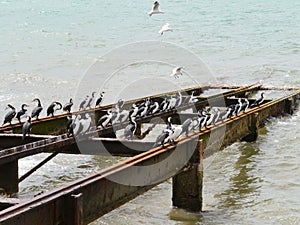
242	184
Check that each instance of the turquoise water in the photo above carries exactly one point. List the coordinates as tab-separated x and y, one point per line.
47	47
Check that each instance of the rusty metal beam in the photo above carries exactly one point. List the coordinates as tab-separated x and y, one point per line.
11	140
47	145
8	202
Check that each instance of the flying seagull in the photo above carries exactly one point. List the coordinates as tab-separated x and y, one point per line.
155	9
176	72
165	28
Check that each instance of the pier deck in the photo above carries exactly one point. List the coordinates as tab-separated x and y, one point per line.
85	200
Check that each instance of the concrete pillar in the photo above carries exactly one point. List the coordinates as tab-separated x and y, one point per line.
9	180
253	128
188	183
289	106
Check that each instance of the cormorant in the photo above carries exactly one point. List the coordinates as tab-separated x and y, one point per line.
67	107
21	112
99	100
37	110
50	109
26	127
10	115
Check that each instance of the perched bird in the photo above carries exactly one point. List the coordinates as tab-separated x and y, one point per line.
130	129
37	110
99	100
169	123
10	115
179	100
154	108
89	102
67	107
165	28
77	125
164	104
185	127
245	105
155	9
70	126
238	107
50	109
82	105
178	130
134	111
258	101
21	112
163	138
143	109
191	98
120	103
105	120
225	114
176	72
26	127
86	123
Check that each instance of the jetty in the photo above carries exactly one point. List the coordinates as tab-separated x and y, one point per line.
83	201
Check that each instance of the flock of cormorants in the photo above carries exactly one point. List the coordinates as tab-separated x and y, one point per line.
79	124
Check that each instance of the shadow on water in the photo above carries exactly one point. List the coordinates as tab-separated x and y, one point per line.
243	185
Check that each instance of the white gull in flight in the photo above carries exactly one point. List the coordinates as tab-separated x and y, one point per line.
155	9
165	28
176	72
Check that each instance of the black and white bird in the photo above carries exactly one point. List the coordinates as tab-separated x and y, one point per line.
191	98
100	99
86	122
90	100
51	109
37	110
172	102
70	126
130	129
10	115
176	72
120	103
67	107
225	114
82	105
105	119
164	104
231	111
258	101
144	109
185	127
245	105
134	111
154	108
165	28
77	125
178	100
178	130
155	9
163	138
26	129
238	107
21	112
